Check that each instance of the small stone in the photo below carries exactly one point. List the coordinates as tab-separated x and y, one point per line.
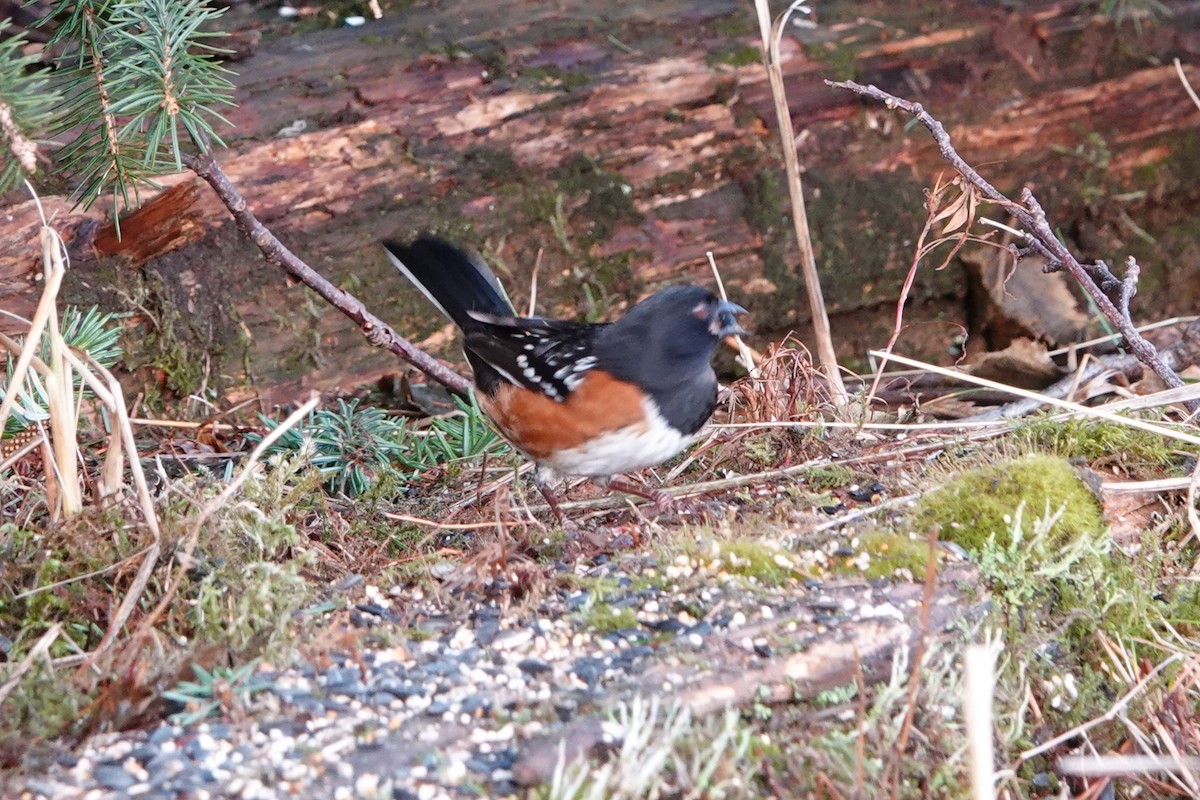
534	666
113	776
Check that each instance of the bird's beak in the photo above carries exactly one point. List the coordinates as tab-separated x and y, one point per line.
723	321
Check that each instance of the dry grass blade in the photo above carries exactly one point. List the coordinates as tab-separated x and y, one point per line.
1115	338
110	393
914	680
1157	399
745	357
979	687
1118	765
1193	496
771	35
183	559
1097	413
62	469
1187	85
60	383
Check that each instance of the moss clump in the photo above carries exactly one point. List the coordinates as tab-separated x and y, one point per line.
494	166
608	196
1096	440
40	582
603	618
742	56
981	503
765	563
834	476
550	76
885	554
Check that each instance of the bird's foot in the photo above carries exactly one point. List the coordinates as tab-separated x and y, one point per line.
545	480
663	502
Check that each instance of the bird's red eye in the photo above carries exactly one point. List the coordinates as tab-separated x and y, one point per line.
701	311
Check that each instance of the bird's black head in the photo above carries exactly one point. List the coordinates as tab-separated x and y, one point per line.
671	335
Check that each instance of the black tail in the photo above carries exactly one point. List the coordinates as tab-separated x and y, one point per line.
453	280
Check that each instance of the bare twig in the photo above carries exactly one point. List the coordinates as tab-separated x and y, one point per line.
1096	280
1112	713
378	333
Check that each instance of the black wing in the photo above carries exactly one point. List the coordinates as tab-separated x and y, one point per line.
549	356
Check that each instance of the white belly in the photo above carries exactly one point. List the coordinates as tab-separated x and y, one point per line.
624	450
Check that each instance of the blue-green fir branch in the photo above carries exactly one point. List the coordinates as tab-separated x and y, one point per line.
143	87
26	106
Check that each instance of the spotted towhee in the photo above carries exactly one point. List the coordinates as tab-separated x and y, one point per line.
592	400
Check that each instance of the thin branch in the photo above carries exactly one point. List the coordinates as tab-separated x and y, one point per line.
378	333
1041	238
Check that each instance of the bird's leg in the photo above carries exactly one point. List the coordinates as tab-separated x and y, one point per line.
663	502
544	479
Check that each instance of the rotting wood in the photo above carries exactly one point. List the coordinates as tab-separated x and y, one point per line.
389	122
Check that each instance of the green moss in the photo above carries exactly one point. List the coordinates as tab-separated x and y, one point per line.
554	77
609	198
493	165
765	207
40	584
762	449
601	617
742	56
885	554
833	476
767	564
855	222
47	702
1096	440
418	634
738	24
841	60
173	351
981	503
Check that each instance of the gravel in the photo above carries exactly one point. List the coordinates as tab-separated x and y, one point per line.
454	695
